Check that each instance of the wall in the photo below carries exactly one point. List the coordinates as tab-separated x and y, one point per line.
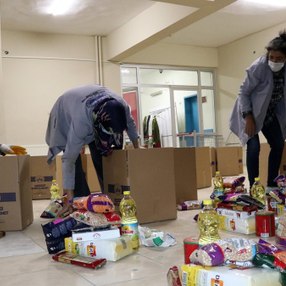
2	110
233	60
38	69
177	55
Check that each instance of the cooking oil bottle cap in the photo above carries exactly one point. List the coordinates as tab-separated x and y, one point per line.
257	179
217	172
53	181
207	202
126	193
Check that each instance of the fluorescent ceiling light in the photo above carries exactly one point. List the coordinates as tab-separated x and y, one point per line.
61	7
274	3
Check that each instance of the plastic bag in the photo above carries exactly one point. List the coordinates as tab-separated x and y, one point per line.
154	238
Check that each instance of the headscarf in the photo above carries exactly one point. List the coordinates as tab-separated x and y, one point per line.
109	124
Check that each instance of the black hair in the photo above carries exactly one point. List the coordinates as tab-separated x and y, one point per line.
278	43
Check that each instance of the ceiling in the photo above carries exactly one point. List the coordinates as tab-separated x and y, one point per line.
102	17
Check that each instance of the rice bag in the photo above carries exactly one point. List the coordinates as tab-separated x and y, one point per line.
96	202
90	218
208	255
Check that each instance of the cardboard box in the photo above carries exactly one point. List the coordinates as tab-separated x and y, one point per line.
91	175
203	167
213	160
94	235
16	210
158	179
41	174
229	160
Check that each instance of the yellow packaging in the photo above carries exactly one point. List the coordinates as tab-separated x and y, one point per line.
280	209
71	246
189	274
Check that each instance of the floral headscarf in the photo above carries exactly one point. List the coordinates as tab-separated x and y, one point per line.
109	124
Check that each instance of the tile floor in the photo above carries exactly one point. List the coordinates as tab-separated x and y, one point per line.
27	262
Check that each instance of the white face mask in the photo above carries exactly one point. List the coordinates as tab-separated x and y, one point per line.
275	67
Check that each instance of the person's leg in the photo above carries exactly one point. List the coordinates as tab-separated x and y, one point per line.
81	188
97	162
252	158
274	137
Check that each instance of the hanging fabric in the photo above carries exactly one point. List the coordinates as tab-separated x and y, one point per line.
146	130
156	133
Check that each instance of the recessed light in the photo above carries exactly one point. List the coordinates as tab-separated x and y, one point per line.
62	7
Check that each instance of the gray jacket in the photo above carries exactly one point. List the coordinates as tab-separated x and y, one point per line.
255	95
70	126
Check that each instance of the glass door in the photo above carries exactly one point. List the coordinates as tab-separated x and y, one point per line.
156	114
187	116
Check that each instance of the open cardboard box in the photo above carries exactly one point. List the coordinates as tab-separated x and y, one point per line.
157	178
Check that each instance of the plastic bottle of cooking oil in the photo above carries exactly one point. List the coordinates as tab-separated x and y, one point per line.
208	222
218	184
55	190
129	222
257	191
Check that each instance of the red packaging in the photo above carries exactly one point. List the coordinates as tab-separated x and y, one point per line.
173	277
190	245
70	258
265	223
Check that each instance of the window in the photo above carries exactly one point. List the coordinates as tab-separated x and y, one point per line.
181	100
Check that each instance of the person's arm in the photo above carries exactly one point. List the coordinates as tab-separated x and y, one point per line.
136	143
131	128
250	125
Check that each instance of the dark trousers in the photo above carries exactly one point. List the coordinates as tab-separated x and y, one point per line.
273	135
81	188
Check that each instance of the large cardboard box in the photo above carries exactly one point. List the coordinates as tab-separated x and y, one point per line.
213	160
91	175
229	160
16	210
42	175
263	162
158	179
203	167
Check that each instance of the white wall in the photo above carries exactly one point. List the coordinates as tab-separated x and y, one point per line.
177	55
233	59
2	124
37	70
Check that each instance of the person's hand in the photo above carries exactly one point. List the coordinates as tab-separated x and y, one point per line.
250	125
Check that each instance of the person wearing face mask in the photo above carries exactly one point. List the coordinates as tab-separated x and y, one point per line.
261	107
87	115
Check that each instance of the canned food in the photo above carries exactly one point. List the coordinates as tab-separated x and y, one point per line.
265	223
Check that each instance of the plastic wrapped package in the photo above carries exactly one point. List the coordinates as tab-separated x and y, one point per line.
110	249
223	275
245	226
